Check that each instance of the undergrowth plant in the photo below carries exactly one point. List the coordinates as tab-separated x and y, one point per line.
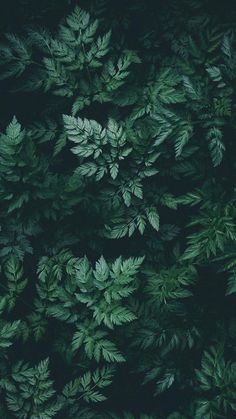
118	212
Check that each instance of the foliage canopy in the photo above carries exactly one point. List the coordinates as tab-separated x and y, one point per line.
118	219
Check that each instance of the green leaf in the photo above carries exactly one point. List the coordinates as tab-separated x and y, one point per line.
153	218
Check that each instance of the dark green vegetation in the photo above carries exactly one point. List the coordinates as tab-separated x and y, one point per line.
118	210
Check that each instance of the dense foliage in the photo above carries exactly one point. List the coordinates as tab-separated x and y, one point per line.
118	215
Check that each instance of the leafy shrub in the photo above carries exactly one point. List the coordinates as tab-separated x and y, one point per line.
118	220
